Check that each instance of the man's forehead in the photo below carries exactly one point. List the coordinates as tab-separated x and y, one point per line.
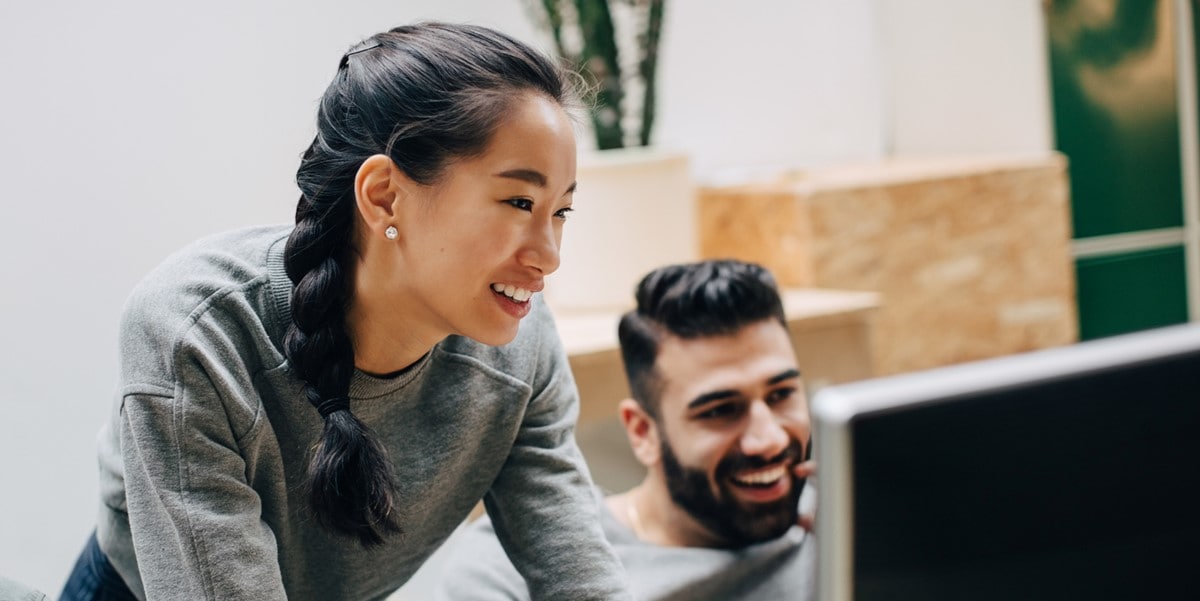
752	356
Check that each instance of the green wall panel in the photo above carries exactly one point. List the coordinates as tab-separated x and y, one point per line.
1130	292
1115	114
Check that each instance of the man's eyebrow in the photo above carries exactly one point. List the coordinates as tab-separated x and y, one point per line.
787	375
531	176
718	395
709	397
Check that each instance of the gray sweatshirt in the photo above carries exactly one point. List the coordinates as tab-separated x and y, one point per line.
202	464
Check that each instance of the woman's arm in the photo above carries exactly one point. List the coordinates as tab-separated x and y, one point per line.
187	409
196	522
542	504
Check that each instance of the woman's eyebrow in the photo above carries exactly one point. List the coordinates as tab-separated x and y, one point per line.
526	175
531	176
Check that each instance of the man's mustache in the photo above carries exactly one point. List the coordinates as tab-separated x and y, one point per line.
738	461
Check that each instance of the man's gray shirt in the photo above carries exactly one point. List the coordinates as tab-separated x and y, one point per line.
782	569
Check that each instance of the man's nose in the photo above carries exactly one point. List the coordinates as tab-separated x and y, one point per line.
764	436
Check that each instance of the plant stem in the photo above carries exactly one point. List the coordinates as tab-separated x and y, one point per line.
599	60
648	66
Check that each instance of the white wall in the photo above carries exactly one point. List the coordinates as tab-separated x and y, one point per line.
131	127
758	86
965	76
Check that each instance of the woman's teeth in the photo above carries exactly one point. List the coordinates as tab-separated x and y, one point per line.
762	478
518	294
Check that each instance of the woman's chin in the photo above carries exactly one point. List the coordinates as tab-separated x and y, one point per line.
498	336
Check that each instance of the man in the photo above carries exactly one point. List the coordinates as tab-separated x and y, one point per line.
720	420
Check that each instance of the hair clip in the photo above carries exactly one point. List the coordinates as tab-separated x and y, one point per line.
362	47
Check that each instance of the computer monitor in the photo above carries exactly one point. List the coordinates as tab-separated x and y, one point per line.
1070	473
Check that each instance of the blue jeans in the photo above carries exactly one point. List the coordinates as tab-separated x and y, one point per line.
94	578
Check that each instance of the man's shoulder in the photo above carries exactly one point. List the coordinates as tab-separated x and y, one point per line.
775	570
780	569
478	568
11	590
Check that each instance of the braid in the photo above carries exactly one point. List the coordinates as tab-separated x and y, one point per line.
350	482
425	95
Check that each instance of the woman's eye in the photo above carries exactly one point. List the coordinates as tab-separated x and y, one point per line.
563	212
521	203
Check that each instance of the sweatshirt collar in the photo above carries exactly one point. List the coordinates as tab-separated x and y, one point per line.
363	386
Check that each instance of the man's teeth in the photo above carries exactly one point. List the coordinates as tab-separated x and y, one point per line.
763	477
518	294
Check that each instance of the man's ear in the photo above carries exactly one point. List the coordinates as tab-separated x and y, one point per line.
642	431
378	187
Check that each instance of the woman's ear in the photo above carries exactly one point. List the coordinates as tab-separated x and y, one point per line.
642	431
377	190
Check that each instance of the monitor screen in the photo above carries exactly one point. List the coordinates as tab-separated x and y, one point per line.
1072	473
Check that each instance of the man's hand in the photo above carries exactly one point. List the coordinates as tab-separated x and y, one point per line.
808	470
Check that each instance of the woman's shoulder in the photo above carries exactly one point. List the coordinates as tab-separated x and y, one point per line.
225	278
214	264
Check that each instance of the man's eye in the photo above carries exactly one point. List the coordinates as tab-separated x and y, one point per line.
563	212
521	203
779	395
723	410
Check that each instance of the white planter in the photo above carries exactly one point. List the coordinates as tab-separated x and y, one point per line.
634	211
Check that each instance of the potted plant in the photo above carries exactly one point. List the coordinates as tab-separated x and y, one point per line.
635	204
586	36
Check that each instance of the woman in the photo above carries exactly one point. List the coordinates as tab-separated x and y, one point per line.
309	412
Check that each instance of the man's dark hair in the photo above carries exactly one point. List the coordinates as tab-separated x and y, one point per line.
691	300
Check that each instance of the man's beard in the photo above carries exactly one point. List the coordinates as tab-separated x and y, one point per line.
736	523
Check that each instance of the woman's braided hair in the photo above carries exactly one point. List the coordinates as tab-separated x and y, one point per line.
423	95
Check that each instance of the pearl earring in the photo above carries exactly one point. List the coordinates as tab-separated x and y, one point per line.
391	232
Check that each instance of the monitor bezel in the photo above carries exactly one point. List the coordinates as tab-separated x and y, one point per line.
836	408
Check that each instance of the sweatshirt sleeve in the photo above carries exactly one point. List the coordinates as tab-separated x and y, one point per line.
542	504
195	520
